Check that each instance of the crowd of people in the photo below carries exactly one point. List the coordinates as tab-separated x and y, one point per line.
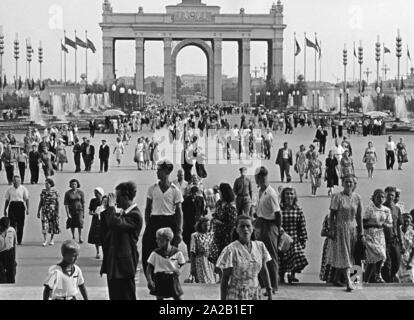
247	241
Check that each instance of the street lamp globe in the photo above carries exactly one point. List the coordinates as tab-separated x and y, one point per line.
129	91
378	90
348	91
122	90
134	91
114	87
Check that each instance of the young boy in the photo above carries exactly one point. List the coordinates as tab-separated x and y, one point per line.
65	279
8	252
163	268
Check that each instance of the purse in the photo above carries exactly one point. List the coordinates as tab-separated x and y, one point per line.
68	223
360	251
285	242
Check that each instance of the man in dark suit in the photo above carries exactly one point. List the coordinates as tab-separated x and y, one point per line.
120	259
89	155
83	151
104	153
92	128
284	161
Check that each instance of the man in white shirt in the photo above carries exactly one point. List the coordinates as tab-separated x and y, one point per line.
390	149
338	151
7	251
180	183
268	144
16	206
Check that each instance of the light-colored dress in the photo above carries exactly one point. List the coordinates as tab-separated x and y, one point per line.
139	152
301	165
315	171
369	158
246	266
347	167
343	246
375	238
406	275
200	246
61	154
119	151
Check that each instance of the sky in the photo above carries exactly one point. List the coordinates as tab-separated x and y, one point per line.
335	22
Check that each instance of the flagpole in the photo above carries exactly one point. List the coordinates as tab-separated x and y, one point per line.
86	41
76	60
314	87
304	73
383	61
320	64
353	66
294	59
407	61
65	57
61	62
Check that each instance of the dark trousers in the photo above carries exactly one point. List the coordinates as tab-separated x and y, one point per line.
187	172
322	147
334	133
22	170
17	211
243	205
340	131
34	172
8	266
9	173
122	289
285	170
88	163
104	165
392	264
77	163
390	159
84	161
149	242
267	147
92	132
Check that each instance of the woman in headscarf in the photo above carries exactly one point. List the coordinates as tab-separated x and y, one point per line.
95	209
376	217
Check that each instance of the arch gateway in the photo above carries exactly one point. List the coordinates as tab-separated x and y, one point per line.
194	23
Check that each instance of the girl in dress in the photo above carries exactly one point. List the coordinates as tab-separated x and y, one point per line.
301	164
61	155
370	158
347	165
119	151
202	269
164	266
146	153
139	154
315	171
155	156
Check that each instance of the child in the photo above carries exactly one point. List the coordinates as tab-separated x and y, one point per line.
163	268
65	279
7	252
210	203
202	269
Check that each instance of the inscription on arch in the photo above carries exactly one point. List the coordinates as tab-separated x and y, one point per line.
193	16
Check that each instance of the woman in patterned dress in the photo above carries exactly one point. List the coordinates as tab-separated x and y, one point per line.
315	172
146	153
242	262
301	165
119	150
401	154
345	229
61	154
405	274
48	211
74	204
294	224
347	165
201	268
370	158
224	221
376	217
95	210
327	271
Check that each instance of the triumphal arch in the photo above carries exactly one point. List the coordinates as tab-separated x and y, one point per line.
193	23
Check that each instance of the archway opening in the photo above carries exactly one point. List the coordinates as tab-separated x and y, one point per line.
192	74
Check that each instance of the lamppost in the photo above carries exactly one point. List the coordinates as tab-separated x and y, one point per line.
134	97
378	57
345	62
16	55
360	61
113	93
318	93
313	103
399	54
347	101
268	94
1	60
378	98
40	53
341	91
122	91
280	94
296	94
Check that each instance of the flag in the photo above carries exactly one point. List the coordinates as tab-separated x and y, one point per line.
80	43
319	48
355	54
408	53
91	45
311	45
70	43
298	49
386	50
64	48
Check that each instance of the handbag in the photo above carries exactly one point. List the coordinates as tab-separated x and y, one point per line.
285	242
360	251
68	223
201	171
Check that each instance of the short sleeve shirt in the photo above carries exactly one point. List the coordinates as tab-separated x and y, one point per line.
268	204
63	285
17	195
166	264
163	204
390	146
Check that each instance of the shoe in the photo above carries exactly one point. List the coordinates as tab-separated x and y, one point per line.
98	256
51	243
338	284
44	244
350	287
80	241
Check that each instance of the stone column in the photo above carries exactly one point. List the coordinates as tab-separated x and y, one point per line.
244	71
275	60
218	80
168	72
108	60
139	64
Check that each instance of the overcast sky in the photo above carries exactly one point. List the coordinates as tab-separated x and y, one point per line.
336	22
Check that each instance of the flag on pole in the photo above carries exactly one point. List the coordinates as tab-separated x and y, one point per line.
386	50
311	45
70	43
91	45
80	43
298	49
355	54
408	53
64	48
319	48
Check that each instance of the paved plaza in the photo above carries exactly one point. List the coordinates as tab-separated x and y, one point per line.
34	260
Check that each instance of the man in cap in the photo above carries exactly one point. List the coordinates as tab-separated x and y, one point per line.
163	210
89	155
34	158
243	190
104	153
